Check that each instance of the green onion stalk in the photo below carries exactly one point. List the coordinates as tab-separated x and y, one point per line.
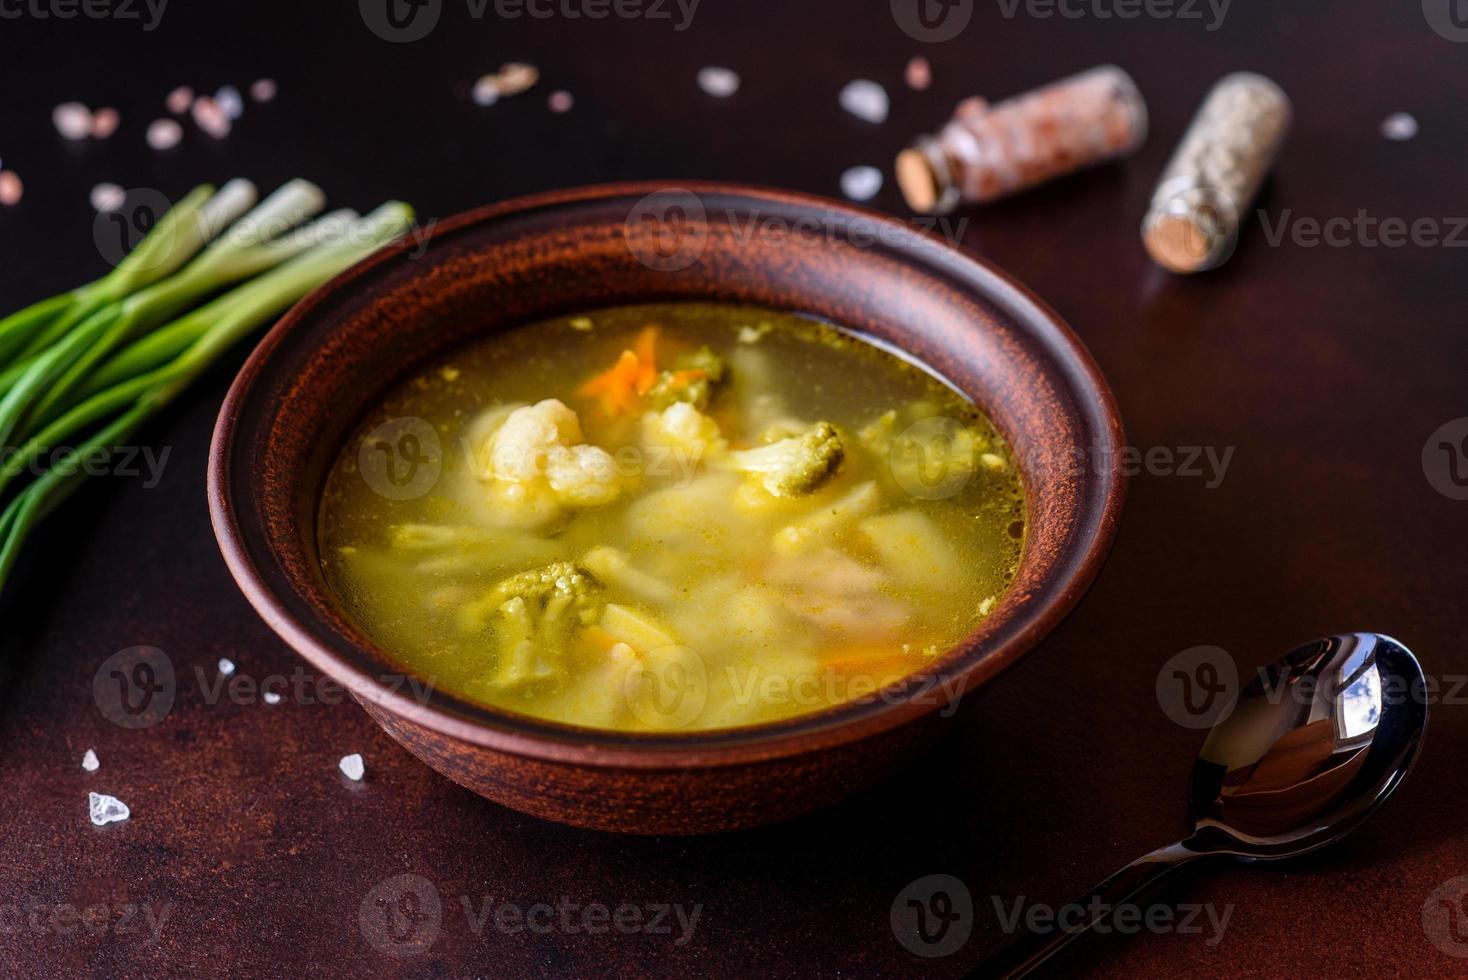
78	388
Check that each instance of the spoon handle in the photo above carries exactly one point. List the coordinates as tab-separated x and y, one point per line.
1032	949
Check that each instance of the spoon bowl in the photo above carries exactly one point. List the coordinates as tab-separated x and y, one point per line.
1311	747
1305	752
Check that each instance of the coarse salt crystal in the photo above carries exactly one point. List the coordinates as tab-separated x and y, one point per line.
10	188
72	120
179	100
263	89
1399	126
226	666
164	134
210	117
718	82
919	74
865	99
106	809
107	197
104	123
352	767
515	77
230	102
89	761
861	183
486	90
560	101
271	697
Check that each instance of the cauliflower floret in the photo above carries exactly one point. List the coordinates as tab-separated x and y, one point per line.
536	465
682	428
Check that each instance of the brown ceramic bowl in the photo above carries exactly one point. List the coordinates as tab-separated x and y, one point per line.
319	370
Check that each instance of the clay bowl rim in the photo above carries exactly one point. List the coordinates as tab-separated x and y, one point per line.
972	663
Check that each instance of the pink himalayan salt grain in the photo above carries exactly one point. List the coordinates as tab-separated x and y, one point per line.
104	123
164	134
72	120
179	100
210	117
919	73
560	101
107	197
10	188
263	89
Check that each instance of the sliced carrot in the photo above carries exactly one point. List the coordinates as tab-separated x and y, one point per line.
882	664
634	374
647	358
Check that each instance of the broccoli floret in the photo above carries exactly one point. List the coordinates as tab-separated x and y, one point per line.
535	614
691	380
793	466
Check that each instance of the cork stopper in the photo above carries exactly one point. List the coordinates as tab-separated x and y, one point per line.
924	178
918	182
1182	242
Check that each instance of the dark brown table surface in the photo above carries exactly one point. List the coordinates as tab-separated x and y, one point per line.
1324	369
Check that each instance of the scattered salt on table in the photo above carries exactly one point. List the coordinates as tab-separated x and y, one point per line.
179	100
271	697
104	123
919	74
861	183
865	99
560	101
263	89
164	134
352	767
107	197
106	809
89	761
226	666
230	102
210	117
718	82
10	188
72	120
1399	126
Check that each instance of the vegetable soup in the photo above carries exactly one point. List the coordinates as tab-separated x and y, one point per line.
670	517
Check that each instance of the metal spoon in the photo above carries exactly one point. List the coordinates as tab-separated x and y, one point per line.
1305	752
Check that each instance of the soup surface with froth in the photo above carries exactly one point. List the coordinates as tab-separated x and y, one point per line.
669	518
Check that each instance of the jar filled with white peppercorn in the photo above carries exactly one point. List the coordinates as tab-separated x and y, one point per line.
1193	221
986	152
